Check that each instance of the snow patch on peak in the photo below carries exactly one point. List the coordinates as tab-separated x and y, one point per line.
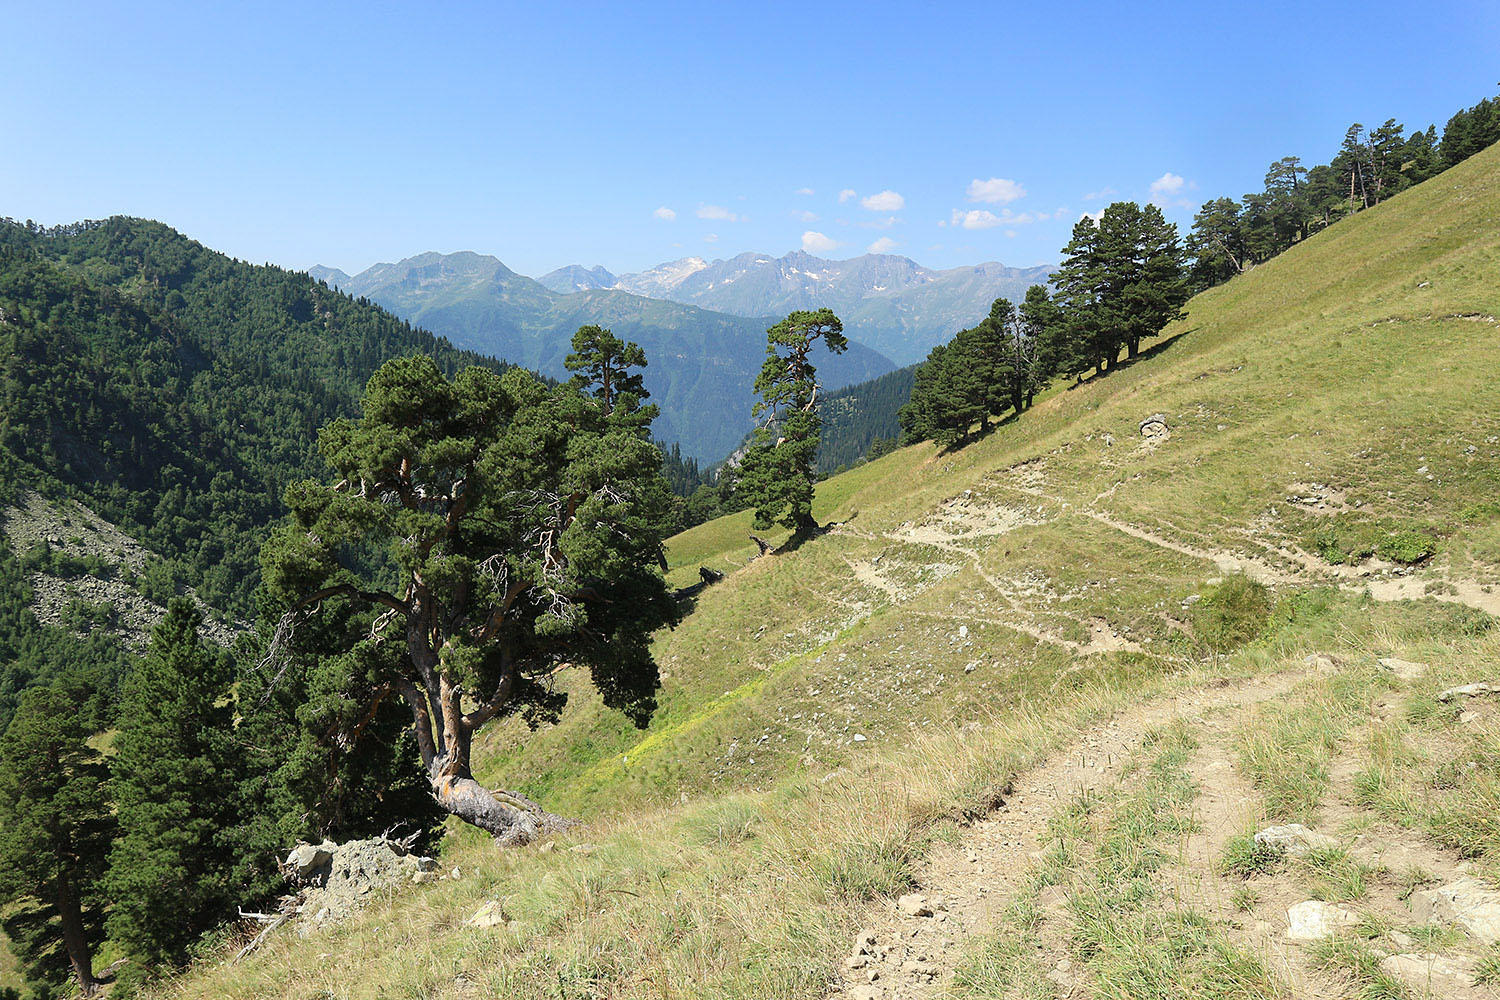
663	277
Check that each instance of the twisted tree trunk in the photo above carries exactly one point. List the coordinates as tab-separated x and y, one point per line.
510	817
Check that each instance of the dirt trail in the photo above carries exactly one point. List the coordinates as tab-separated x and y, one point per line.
971	882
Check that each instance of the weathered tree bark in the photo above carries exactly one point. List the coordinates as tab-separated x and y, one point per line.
75	939
510	817
765	547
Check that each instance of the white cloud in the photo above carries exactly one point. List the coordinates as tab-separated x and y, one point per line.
806	191
802	215
1096	216
665	214
995	191
1104	192
885	201
845	195
883	245
983	218
885	223
717	212
1167	183
977	218
711	238
817	243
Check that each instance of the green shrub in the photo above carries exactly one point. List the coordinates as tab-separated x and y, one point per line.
1234	613
1407	546
1342	542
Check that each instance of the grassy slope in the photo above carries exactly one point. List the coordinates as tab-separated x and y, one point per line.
1329	365
1353	363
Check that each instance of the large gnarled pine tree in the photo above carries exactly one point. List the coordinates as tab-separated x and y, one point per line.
777	473
516	528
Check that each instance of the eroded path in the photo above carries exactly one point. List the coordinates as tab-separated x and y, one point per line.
1025	881
969	884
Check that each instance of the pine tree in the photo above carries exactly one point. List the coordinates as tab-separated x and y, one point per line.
1216	243
601	364
1149	278
1081	284
1044	324
175	785
56	827
776	476
517	529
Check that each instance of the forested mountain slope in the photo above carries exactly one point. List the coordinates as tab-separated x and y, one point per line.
174	392
1322	479
702	364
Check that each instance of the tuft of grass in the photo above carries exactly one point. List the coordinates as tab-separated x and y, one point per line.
1487	973
865	869
1335	877
1356	958
1436	937
1288	750
1244	899
1410	879
1242	857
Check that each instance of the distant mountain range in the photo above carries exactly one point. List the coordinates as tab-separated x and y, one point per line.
887	302
702	363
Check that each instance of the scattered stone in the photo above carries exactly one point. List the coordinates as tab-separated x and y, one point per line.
1470	691
1313	920
1401	940
583	849
866	993
920	969
1323	663
1294	839
1155	427
1466	903
491	914
1429	974
1406	670
859	737
915	904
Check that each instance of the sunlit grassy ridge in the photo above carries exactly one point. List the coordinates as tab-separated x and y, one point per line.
823	711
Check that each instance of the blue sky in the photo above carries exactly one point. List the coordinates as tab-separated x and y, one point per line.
629	134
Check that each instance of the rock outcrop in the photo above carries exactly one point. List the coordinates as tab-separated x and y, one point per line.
339	879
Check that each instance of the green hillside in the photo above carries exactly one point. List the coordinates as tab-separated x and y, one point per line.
841	723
